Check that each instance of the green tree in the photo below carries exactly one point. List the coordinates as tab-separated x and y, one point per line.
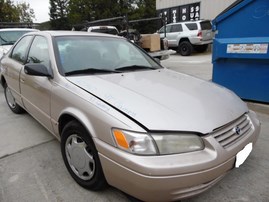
58	14
145	9
89	10
21	12
25	12
8	11
80	11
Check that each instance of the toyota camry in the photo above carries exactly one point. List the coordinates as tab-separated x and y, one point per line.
124	120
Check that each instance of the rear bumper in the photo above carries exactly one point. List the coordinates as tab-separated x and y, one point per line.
172	177
199	41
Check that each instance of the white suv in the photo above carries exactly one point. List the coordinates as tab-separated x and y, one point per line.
188	36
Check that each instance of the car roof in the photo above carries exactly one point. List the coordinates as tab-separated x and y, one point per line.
191	21
17	29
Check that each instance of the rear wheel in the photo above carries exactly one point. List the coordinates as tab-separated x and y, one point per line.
81	157
185	48
17	109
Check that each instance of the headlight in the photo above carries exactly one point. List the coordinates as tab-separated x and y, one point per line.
178	143
145	144
132	142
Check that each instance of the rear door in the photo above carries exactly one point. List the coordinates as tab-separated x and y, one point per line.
13	65
173	34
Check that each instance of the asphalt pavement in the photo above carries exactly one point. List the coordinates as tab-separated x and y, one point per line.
32	169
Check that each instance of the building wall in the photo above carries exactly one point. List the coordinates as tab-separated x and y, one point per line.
209	8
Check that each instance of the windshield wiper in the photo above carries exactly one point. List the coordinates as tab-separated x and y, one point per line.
8	43
90	71
135	67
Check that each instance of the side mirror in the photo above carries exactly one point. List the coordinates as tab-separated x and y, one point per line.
36	69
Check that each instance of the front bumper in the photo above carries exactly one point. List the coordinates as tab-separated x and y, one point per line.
172	177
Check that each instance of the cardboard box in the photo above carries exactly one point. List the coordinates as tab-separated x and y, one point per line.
150	42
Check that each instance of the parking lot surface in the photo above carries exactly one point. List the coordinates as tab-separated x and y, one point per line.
32	169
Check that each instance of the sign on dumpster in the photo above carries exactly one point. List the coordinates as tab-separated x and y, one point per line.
247	48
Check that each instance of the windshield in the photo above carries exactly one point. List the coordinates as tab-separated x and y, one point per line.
10	37
102	55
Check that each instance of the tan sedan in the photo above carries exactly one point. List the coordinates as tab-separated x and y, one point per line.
123	119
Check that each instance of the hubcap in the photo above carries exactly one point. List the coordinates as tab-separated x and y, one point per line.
79	157
10	99
184	48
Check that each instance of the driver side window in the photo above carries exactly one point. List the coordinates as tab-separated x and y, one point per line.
168	29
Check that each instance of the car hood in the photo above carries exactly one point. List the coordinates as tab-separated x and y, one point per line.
4	49
164	100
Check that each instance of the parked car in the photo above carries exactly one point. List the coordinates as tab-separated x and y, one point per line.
188	36
123	119
9	36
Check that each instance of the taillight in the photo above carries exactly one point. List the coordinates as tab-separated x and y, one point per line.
199	34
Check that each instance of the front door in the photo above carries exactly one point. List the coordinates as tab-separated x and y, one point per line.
36	90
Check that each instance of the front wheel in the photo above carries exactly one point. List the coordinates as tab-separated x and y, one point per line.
15	108
185	48
81	157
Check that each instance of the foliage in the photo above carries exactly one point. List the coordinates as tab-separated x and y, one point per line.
145	9
21	12
80	11
8	11
65	13
89	10
26	13
58	14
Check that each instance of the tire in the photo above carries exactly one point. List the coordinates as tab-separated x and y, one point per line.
81	157
201	48
185	48
15	108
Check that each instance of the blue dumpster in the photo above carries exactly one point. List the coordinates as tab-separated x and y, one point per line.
240	49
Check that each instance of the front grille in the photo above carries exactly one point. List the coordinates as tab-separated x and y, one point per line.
233	132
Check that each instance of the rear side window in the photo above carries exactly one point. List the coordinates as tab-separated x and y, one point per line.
192	26
20	50
168	29
206	25
176	28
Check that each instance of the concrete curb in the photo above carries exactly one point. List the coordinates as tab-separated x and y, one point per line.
258	107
